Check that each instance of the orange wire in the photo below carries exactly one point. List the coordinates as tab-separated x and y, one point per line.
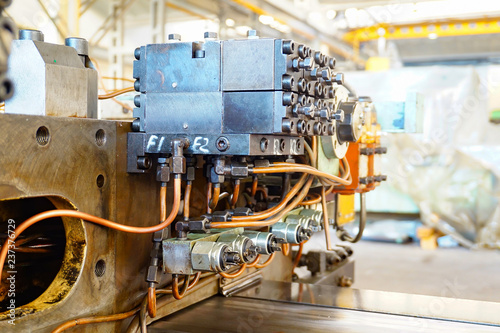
116	93
297	258
267	262
281	167
255	183
314	201
175	287
152	302
209	197
271	221
215	197
117	78
236	193
272	211
190	286
326	224
255	262
285	247
187	199
94	219
235	274
95	319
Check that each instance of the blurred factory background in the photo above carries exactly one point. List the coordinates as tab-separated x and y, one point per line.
432	68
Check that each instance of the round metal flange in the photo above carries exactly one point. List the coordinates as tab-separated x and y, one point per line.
331	145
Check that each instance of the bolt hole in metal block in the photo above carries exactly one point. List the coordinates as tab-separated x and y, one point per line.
100	268
100	137
42	136
100	181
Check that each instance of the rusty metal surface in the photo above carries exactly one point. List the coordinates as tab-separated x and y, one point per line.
66	170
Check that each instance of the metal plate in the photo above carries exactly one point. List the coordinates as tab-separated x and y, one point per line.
235	314
422	306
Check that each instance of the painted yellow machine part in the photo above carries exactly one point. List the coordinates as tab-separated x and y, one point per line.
345	213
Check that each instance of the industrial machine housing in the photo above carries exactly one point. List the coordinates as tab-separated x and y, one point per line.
239	150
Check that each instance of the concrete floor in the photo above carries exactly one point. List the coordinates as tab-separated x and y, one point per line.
448	272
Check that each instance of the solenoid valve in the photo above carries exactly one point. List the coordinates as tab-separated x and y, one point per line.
241	245
266	243
290	232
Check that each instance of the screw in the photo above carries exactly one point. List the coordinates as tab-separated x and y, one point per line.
307	63
288	47
143	162
185	126
332	63
176	37
339	116
210	35
222	143
339	78
136	125
252	34
28	34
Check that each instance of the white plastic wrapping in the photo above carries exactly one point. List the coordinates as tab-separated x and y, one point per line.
451	170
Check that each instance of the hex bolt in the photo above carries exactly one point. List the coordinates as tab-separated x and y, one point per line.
339	78
338	116
326	74
264	144
28	34
222	144
176	37
307	110
307	63
324	113
137	85
210	35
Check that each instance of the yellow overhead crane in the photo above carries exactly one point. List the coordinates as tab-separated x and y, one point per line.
448	28
429	29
